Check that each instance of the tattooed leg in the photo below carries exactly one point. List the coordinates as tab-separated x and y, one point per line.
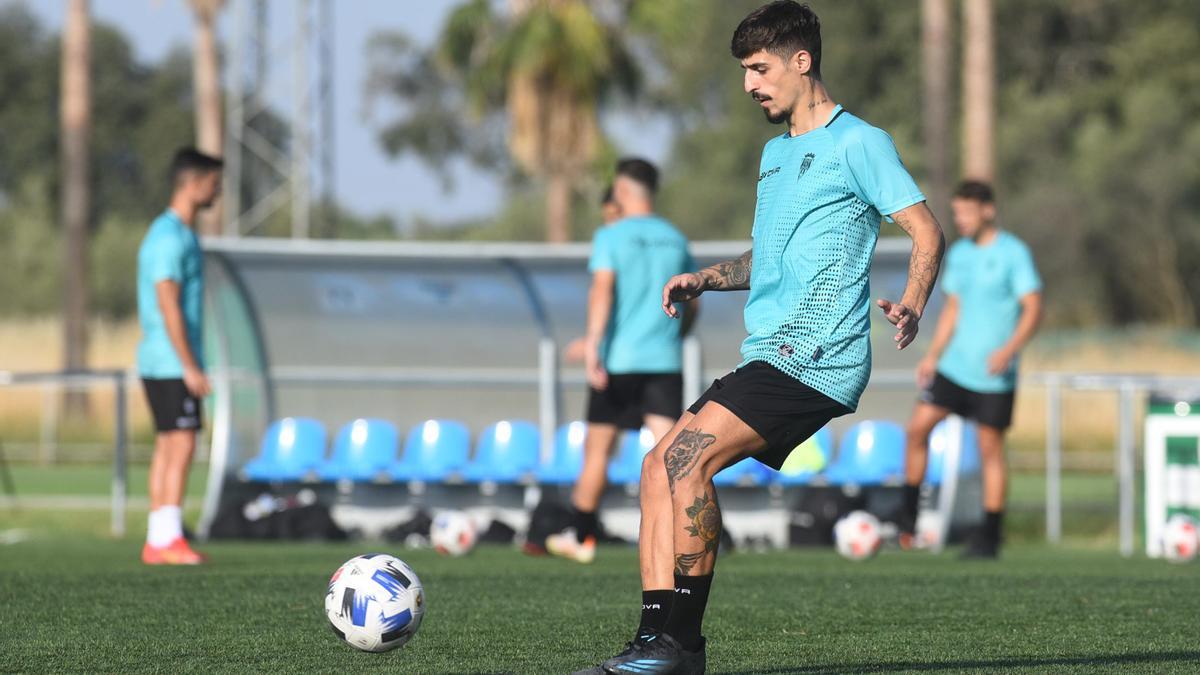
683	453
655	536
703	529
714	439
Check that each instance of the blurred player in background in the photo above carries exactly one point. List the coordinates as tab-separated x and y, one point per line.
170	286
632	351
993	306
823	187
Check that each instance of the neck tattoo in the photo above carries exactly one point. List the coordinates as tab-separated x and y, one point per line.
813	104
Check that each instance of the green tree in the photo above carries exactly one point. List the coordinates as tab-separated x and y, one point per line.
540	72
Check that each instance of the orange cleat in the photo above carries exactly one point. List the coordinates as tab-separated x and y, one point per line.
178	553
565	545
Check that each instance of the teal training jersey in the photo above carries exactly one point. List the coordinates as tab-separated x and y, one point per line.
989	282
170	250
643	252
820	196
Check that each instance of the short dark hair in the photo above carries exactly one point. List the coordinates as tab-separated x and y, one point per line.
607	196
783	28
975	190
189	159
639	170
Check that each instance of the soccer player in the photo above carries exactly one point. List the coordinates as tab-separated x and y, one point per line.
823	186
993	305
632	351
170	282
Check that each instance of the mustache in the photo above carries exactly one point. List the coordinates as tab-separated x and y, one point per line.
759	97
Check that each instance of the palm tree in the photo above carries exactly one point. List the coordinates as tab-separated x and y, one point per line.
541	70
206	70
935	66
75	120
979	90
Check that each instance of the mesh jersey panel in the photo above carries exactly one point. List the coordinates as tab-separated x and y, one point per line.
814	238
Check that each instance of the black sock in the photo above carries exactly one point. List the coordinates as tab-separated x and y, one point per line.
656	605
687	609
911	500
585	524
991	526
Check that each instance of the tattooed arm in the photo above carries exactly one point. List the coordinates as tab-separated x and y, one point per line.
731	275
923	265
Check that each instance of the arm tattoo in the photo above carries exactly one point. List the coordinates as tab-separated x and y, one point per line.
732	275
681	457
706	526
923	264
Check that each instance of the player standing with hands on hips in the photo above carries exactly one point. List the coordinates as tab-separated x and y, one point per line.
170	282
823	187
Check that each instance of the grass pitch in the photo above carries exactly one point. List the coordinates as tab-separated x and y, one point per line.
85	604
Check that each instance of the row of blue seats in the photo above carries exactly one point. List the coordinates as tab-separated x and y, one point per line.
871	452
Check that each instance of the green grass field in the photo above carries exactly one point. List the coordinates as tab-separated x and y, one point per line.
84	604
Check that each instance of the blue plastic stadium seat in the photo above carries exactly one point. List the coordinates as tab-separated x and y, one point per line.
871	453
434	451
362	450
626	467
968	459
566	463
507	452
291	448
807	460
748	472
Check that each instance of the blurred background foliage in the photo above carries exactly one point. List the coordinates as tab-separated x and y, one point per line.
1097	133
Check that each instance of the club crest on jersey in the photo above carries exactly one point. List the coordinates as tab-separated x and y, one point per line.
808	160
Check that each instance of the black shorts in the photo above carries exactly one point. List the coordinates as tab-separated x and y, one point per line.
991	409
173	406
780	408
631	396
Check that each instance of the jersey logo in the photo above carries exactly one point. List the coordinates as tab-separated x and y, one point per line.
767	174
808	160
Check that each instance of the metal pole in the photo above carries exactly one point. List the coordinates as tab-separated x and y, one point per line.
1125	468
329	217
547	394
119	484
301	138
235	110
1053	459
955	428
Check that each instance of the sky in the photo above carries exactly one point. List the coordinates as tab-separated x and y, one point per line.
368	181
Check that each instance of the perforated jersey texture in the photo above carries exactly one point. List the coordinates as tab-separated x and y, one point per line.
820	196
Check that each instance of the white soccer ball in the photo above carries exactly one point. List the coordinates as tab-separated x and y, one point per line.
857	535
1180	539
452	533
375	602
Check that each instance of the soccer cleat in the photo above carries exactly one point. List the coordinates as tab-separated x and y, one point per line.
980	548
652	652
566	545
177	553
906	529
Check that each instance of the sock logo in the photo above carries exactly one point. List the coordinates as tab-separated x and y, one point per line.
654	606
684	591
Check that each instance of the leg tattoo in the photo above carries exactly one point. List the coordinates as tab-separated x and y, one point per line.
706	526
683	454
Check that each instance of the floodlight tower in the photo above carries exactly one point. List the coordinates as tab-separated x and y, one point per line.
268	166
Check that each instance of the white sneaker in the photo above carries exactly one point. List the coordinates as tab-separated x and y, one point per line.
566	545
